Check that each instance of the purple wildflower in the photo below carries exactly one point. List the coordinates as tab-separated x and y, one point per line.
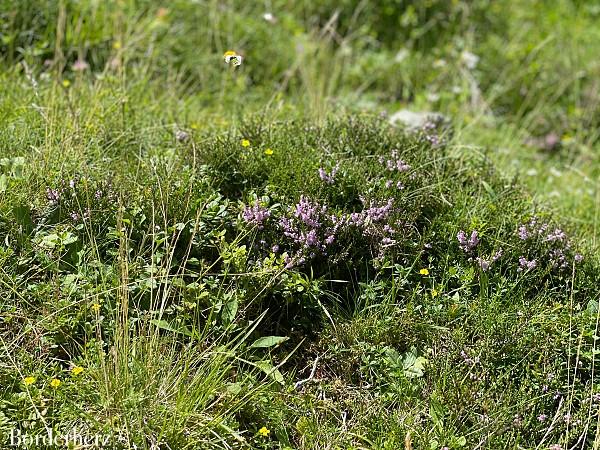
484	264
311	239
542	417
329	178
497	255
556	235
80	65
256	215
527	265
469	244
182	136
308	212
53	196
523	233
578	258
395	163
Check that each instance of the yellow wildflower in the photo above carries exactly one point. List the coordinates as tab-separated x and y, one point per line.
232	57
264	431
245	143
66	83
96	307
434	293
55	383
424	271
28	381
77	370
117	45
268	152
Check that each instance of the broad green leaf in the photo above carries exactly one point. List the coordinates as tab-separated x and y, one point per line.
460	441
22	215
268	341
414	366
271	371
229	311
164	325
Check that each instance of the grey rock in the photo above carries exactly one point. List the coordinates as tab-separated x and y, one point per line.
415	120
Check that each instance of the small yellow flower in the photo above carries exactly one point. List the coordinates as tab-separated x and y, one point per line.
28	381
232	57
264	431
268	152
194	125
117	45
55	383
66	83
434	293
77	370
424	271
96	307
245	143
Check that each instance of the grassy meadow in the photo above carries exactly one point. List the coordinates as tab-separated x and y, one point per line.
271	249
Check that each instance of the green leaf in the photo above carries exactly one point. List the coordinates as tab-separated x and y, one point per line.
460	441
437	411
488	189
22	215
234	388
268	341
271	371
229	311
414	366
164	325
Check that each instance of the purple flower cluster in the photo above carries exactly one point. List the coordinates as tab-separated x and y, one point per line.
394	163
431	131
53	196
390	183
534	229
548	243
329	178
467	244
485	264
526	265
373	213
312	230
256	215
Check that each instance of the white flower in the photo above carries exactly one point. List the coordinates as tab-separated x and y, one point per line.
269	17
469	59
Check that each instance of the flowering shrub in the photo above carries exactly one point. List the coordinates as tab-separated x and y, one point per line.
546	246
80	200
